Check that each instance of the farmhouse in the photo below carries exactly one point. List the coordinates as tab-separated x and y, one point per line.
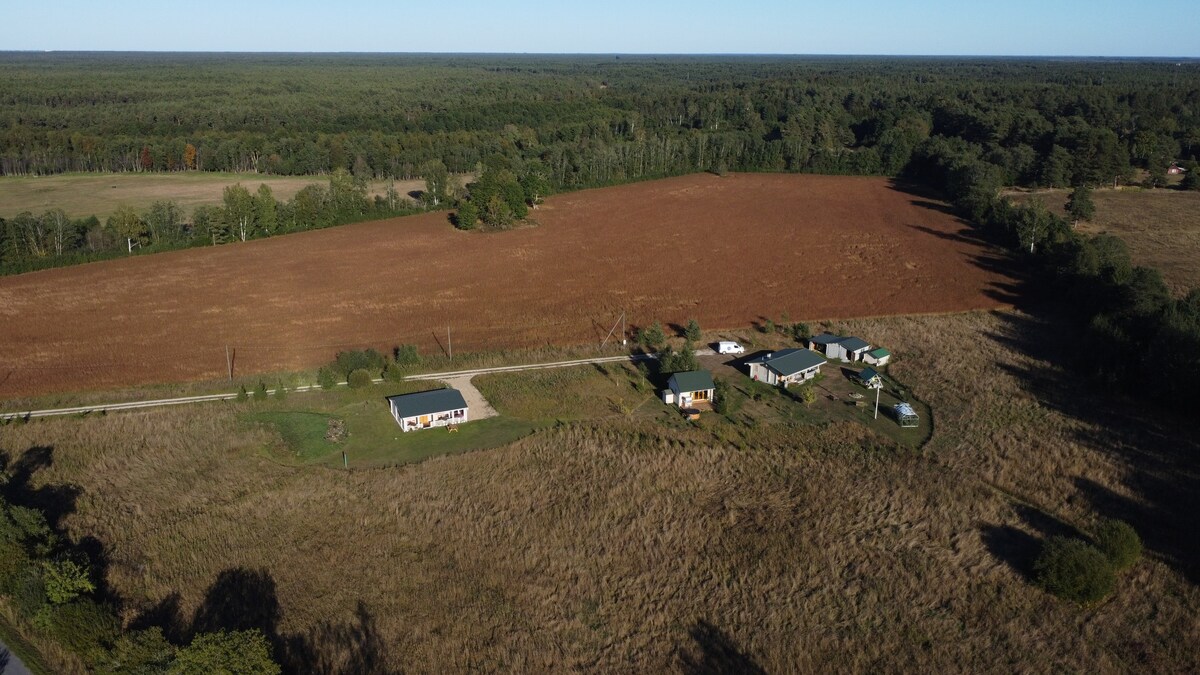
437	408
877	357
786	367
688	388
1175	169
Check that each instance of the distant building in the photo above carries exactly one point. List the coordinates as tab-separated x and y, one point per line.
869	378
437	408
1175	170
689	388
786	367
837	347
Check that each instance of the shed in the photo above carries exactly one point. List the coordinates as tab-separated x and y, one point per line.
690	387
847	349
869	378
820	343
436	408
877	357
786	367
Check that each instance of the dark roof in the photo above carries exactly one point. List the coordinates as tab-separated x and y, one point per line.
868	374
825	339
692	380
428	402
791	361
853	344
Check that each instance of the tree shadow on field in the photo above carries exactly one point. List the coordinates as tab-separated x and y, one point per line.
246	599
715	653
55	501
1160	490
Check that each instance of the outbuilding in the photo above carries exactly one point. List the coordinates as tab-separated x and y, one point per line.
436	408
869	378
688	388
877	357
786	367
847	349
820	343
905	415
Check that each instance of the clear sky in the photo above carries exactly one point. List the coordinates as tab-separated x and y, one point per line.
996	27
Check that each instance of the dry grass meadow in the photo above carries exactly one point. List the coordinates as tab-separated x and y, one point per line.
1161	228
87	194
622	545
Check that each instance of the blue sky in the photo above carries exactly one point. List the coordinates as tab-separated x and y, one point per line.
1008	27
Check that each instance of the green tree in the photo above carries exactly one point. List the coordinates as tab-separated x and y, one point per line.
265	210
725	402
1080	205
467	215
359	379
127	226
497	213
165	221
65	580
801	331
1073	569
208	221
226	653
140	652
1191	181
326	378
243	395
652	337
1119	542
260	394
437	183
239	211
806	394
692	330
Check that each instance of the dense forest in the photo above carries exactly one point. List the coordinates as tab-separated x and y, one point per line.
528	125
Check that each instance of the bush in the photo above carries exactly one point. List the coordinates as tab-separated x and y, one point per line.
1073	569
768	327
359	359
467	216
359	378
801	331
806	394
692	331
1191	181
1119	542
326	378
652	337
243	395
281	392
260	394
406	355
84	627
724	401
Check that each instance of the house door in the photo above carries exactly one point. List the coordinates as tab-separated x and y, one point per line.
424	420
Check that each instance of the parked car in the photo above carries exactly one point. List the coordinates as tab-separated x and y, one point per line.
730	348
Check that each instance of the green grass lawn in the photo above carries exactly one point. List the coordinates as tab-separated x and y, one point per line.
582	392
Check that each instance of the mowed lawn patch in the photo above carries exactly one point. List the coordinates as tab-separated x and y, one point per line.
371	435
568	393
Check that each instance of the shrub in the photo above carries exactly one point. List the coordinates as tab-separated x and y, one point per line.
652	337
406	355
724	401
359	378
1073	569
359	359
326	378
768	327
1191	181
281	392
692	331
393	373
244	651
1119	542
64	580
801	331
260	394
85	627
806	394
243	395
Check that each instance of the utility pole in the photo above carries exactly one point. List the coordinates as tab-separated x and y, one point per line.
229	362
449	344
623	333
877	388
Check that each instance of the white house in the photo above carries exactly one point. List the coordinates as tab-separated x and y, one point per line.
437	408
689	388
848	349
877	357
786	367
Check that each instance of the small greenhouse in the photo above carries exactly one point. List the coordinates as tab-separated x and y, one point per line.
905	415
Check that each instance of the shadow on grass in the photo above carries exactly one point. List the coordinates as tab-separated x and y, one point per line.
715	653
1157	447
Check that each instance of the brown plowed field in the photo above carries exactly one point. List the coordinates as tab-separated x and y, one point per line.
726	251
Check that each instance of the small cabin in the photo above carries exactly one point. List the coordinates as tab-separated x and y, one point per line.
869	378
690	388
428	409
877	357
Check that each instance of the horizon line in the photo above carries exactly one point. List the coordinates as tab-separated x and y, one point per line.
1163	57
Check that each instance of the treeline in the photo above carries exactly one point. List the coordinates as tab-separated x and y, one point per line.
51	588
52	239
591	120
1134	332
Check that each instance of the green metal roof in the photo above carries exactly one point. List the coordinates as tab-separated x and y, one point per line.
879	353
692	380
868	374
853	344
792	361
428	402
